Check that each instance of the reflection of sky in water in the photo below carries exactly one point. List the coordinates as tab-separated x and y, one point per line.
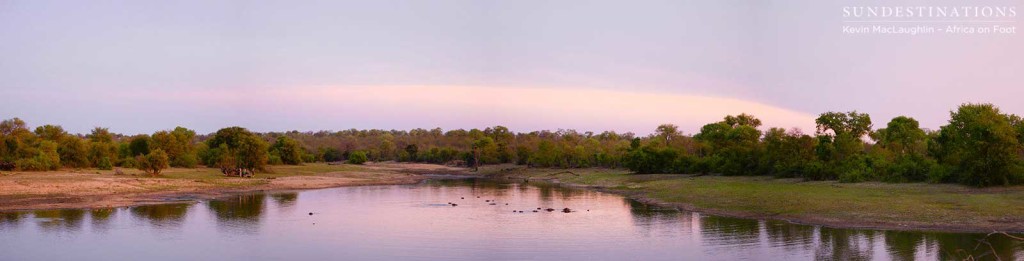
416	222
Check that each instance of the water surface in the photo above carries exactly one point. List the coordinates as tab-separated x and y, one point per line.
415	222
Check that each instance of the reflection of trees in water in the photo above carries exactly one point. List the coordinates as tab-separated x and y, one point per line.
903	245
845	244
646	213
238	212
492	187
648	217
100	218
974	246
61	219
546	191
10	218
163	215
285	199
729	231
789	236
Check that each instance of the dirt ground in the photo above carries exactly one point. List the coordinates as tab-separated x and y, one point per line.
90	188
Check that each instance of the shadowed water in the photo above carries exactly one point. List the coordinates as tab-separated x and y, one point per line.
416	222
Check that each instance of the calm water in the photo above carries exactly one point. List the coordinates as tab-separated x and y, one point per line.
416	222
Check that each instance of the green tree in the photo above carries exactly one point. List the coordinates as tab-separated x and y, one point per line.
788	154
650	159
11	131
839	134
732	145
412	150
331	154
546	155
236	148
288	150
102	149
153	162
480	148
908	144
357	157
43	157
179	145
902	136
668	133
99	134
742	119
74	152
981	146
51	132
139	145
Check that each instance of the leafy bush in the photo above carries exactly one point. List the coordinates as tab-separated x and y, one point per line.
104	164
186	161
154	162
817	170
650	160
331	155
911	168
129	163
32	164
274	159
357	157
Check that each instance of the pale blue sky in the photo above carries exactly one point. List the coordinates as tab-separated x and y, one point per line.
141	66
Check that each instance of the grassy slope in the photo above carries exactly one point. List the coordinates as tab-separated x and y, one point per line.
870	204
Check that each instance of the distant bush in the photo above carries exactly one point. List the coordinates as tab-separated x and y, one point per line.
274	159
31	164
186	161
104	164
154	162
357	157
911	168
331	155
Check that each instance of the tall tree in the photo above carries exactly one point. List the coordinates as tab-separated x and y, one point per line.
288	149
903	135
236	147
981	145
179	146
840	134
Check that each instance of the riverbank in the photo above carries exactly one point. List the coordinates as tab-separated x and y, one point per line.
91	188
915	206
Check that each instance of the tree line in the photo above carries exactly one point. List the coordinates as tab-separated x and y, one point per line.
980	146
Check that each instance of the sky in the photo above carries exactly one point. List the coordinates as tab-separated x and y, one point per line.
627	66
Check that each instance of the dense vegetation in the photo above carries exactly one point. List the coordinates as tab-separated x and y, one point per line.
980	146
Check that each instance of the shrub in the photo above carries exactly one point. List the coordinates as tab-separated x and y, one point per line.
651	160
31	164
816	170
274	159
129	163
332	155
941	174
154	162
357	157
104	164
912	168
186	161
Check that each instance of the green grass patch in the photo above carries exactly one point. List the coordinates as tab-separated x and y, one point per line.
914	204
